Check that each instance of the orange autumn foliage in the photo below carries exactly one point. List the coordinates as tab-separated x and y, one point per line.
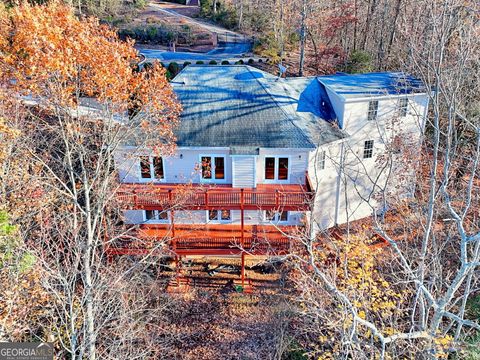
47	53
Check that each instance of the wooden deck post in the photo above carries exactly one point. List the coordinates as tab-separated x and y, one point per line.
243	269
170	200
242	217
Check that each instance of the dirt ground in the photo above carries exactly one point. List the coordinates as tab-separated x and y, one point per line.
212	325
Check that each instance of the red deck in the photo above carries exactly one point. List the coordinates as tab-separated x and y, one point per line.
288	197
206	240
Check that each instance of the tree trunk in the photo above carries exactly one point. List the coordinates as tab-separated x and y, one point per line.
371	10
240	15
303	37
394	27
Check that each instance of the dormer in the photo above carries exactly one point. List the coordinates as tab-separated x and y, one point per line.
361	100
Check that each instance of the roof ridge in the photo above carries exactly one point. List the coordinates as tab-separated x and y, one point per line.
282	109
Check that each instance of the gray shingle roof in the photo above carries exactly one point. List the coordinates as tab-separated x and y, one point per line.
244	108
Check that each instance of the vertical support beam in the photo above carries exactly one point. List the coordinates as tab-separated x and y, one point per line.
172	213
242	216
243	269
178	261
206	199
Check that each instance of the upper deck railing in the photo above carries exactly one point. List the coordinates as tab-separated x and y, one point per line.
181	196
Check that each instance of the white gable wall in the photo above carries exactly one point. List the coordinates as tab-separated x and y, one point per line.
324	183
361	179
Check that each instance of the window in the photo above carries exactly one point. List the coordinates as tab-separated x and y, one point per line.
276	168
145	167
219	168
156	216
368	149
151	168
219	216
321	160
206	167
276	216
282	168
372	110
158	167
270	168
213	167
403	106
270	215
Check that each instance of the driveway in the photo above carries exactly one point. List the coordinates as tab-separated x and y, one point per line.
231	45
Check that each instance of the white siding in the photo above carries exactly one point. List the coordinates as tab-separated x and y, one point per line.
298	160
190	217
348	196
324	182
182	167
243	168
127	165
133	216
337	104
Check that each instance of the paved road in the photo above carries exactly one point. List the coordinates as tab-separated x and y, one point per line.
233	45
225	51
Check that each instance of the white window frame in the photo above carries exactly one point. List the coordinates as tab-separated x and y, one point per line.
219	217
275	173
365	149
370	116
156	221
152	169
403	103
321	160
276	219
213	180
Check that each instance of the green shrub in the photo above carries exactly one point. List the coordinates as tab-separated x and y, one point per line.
140	4
359	62
173	69
186	63
293	38
126	33
227	17
11	253
212	62
152	33
267	46
251	61
200	62
225	62
239	62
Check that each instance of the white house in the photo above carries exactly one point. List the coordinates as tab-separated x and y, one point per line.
245	134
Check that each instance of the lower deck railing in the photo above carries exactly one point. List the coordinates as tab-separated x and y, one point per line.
205	243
